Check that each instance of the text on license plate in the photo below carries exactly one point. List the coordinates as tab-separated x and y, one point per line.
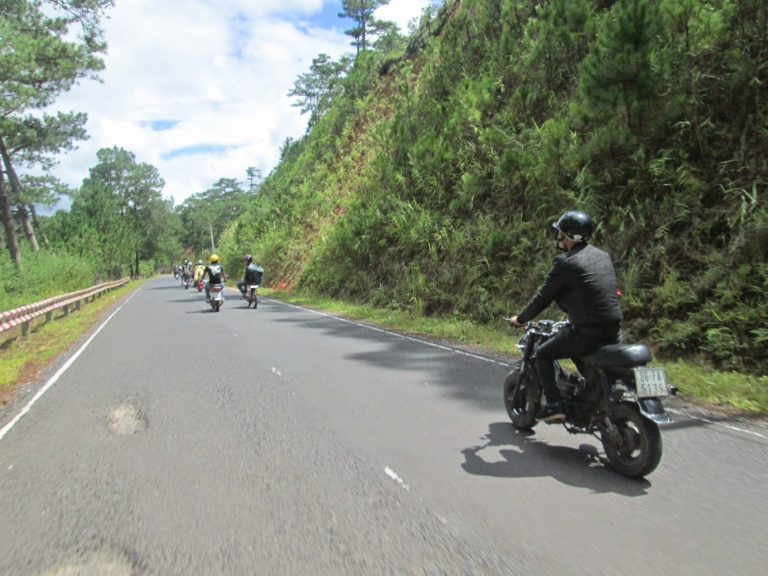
651	382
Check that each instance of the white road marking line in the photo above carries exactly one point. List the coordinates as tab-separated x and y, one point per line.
59	372
390	333
492	361
276	371
735	428
396	478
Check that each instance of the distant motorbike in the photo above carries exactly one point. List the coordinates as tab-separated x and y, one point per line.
251	295
186	282
217	296
200	285
617	400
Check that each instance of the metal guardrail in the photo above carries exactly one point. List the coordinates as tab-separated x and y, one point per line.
25	314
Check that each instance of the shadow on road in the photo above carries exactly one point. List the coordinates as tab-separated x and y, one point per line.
462	378
171	287
526	457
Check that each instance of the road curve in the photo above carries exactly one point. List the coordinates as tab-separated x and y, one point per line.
286	441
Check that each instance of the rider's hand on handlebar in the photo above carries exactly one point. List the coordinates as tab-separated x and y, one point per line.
513	321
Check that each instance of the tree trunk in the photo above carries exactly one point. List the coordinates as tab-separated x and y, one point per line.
10	226
36	224
16	189
26	223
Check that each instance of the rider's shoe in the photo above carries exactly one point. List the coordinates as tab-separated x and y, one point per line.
550	412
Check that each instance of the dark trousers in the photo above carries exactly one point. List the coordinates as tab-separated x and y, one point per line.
242	286
568	344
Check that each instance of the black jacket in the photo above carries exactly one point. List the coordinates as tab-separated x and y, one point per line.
253	273
582	282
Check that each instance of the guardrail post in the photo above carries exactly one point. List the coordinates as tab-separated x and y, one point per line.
66	310
25	328
48	316
77	305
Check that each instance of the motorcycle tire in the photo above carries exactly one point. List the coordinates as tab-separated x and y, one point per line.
642	448
521	399
255	302
216	305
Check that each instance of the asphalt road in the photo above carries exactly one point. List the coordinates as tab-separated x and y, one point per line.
285	441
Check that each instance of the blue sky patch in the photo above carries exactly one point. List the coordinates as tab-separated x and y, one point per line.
215	149
160	125
329	17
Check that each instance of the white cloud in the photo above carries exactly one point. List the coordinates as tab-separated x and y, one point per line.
217	72
402	11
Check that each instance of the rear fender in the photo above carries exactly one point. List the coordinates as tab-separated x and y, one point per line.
653	409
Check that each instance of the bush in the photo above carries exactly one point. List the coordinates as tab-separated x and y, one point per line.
45	274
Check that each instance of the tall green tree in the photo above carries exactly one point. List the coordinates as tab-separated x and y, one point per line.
33	141
46	46
210	212
254	178
366	25
315	90
138	188
619	71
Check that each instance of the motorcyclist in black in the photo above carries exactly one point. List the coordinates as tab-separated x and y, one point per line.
215	275
582	282
186	271
253	275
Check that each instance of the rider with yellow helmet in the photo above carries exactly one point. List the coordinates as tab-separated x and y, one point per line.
215	274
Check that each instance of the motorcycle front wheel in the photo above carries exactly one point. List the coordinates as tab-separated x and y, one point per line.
637	451
521	399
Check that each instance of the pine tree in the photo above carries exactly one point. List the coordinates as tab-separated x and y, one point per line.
361	11
620	70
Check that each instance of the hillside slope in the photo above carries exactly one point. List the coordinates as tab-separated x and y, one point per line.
433	181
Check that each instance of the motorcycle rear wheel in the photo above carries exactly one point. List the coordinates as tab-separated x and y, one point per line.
216	305
520	398
642	449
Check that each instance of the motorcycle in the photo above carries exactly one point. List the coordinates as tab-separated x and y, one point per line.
217	296
186	282
618	399
251	295
200	285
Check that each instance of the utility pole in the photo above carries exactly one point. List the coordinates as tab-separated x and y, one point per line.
213	246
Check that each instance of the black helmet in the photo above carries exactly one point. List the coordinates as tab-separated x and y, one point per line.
575	225
248	258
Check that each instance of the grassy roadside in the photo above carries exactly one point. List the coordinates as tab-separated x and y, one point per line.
742	392
22	358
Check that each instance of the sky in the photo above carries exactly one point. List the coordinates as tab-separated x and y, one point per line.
198	88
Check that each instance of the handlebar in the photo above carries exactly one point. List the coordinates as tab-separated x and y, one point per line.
541	326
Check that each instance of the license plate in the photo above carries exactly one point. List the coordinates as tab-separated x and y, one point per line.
651	382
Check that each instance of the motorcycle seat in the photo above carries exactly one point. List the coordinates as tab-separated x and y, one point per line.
619	356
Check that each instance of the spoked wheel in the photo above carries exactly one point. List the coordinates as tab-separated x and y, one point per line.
521	398
636	452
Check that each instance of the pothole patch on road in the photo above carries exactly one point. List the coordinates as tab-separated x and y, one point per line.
99	564
127	419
